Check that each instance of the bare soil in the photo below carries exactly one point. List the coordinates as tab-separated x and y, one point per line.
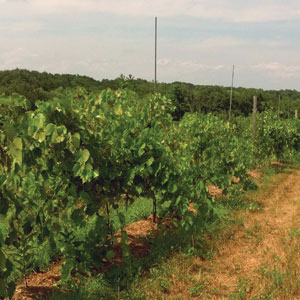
38	284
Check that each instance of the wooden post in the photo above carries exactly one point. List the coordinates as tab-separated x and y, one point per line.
154	211
254	117
230	103
296	114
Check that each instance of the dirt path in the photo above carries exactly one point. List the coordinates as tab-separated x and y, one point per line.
262	258
40	285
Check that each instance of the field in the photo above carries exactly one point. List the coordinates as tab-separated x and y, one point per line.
109	196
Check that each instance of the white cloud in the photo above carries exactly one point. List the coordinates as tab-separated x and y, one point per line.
164	61
104	38
194	65
28	26
229	10
13	57
221	42
219	67
279	70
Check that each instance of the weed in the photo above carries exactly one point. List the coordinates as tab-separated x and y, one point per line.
138	210
262	297
243	288
215	291
294	232
98	288
277	278
254	234
196	289
164	285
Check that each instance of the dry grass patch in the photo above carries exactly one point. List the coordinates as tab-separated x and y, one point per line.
257	257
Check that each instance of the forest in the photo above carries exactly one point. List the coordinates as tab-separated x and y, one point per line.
185	96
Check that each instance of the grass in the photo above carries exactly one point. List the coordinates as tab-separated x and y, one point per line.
294	232
196	289
278	278
253	234
243	288
280	283
273	284
281	275
138	210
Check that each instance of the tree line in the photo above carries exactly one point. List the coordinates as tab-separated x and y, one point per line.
187	97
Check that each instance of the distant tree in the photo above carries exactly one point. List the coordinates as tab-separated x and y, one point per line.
186	96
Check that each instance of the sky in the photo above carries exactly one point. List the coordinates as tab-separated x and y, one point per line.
198	40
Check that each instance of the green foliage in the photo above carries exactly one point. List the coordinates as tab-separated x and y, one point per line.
277	138
140	208
185	96
66	166
66	161
196	289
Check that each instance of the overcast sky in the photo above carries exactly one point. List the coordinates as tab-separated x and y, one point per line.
198	40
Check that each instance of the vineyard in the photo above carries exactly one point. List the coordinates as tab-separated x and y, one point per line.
72	168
